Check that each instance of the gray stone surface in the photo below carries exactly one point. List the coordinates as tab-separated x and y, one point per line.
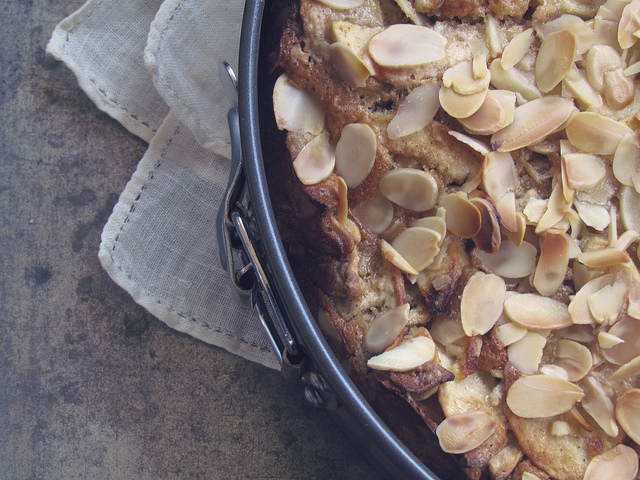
91	385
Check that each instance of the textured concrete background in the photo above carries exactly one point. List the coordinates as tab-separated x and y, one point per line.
91	385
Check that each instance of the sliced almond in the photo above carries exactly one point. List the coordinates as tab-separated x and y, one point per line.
579	307
342	213
376	214
462	80
606	340
481	147
603	258
481	303
499	174
532	122
582	30
575	358
539	396
488	119
479	65
601	59
535	312
606	304
584	171
510	261
463	217
513	80
489	236
594	133
555	58
554	371
415	111
599	405
626	159
526	353
393	257
435	223
296	109
555	212
418	246
506	208
627	330
517	237
627	371
517	48
355	153
509	333
577	86
410	188
406	45
593	215
629	24
493	31
350	67
458	105
342	4
466	431
619	89
627	411
446	330
552	264
630	208
617	463
316	160
408	355
386	328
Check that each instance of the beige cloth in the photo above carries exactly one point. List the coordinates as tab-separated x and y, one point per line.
152	65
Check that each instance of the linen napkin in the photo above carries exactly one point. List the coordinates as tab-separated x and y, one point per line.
152	65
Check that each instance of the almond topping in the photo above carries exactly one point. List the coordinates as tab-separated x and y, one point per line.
526	354
481	303
355	153
295	109
498	174
415	111
463	217
626	160
513	80
488	119
627	371
630	208
383	331
392	256
418	246
509	333
532	122
406	45
461	79
553	263
517	48
510	261
489	237
376	214
533	311
406	356
463	432
598	404
458	105
617	463
605	304
435	223
628	413
350	67
601	59
627	330
619	89
539	396
316	160
582	30
603	258
555	58
594	133
629	24
342	4
579	306
410	188
575	358
606	340
584	171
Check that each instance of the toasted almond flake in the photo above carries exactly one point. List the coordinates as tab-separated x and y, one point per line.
435	223
582	30
627	411
488	119
517	237
575	358
510	261
555	58
392	256
296	109
415	111
350	67
418	246
355	153
593	215
408	355
517	48
532	122
463	432
626	329
316	160
555	212
627	371
629	24
579	307
630	208
342	4
376	214
598	404
533	311
633	309
460	106
461	79
539	396
560	428
619	89
632	69
479	65
626	159
463	217
489	237
584	171
481	303
513	80
499	174
625	240
601	59
506	208
575	84
526	354
406	45
554	371
552	264
408	9
493	33
606	340
509	333
603	258
343	202
606	304
410	188
594	133
617	463
384	329
477	145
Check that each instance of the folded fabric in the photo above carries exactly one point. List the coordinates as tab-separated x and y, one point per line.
152	66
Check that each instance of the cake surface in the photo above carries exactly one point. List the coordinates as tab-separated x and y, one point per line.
460	201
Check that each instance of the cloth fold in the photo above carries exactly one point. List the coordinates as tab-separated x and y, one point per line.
152	65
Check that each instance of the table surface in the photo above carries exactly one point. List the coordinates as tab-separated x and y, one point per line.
91	385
